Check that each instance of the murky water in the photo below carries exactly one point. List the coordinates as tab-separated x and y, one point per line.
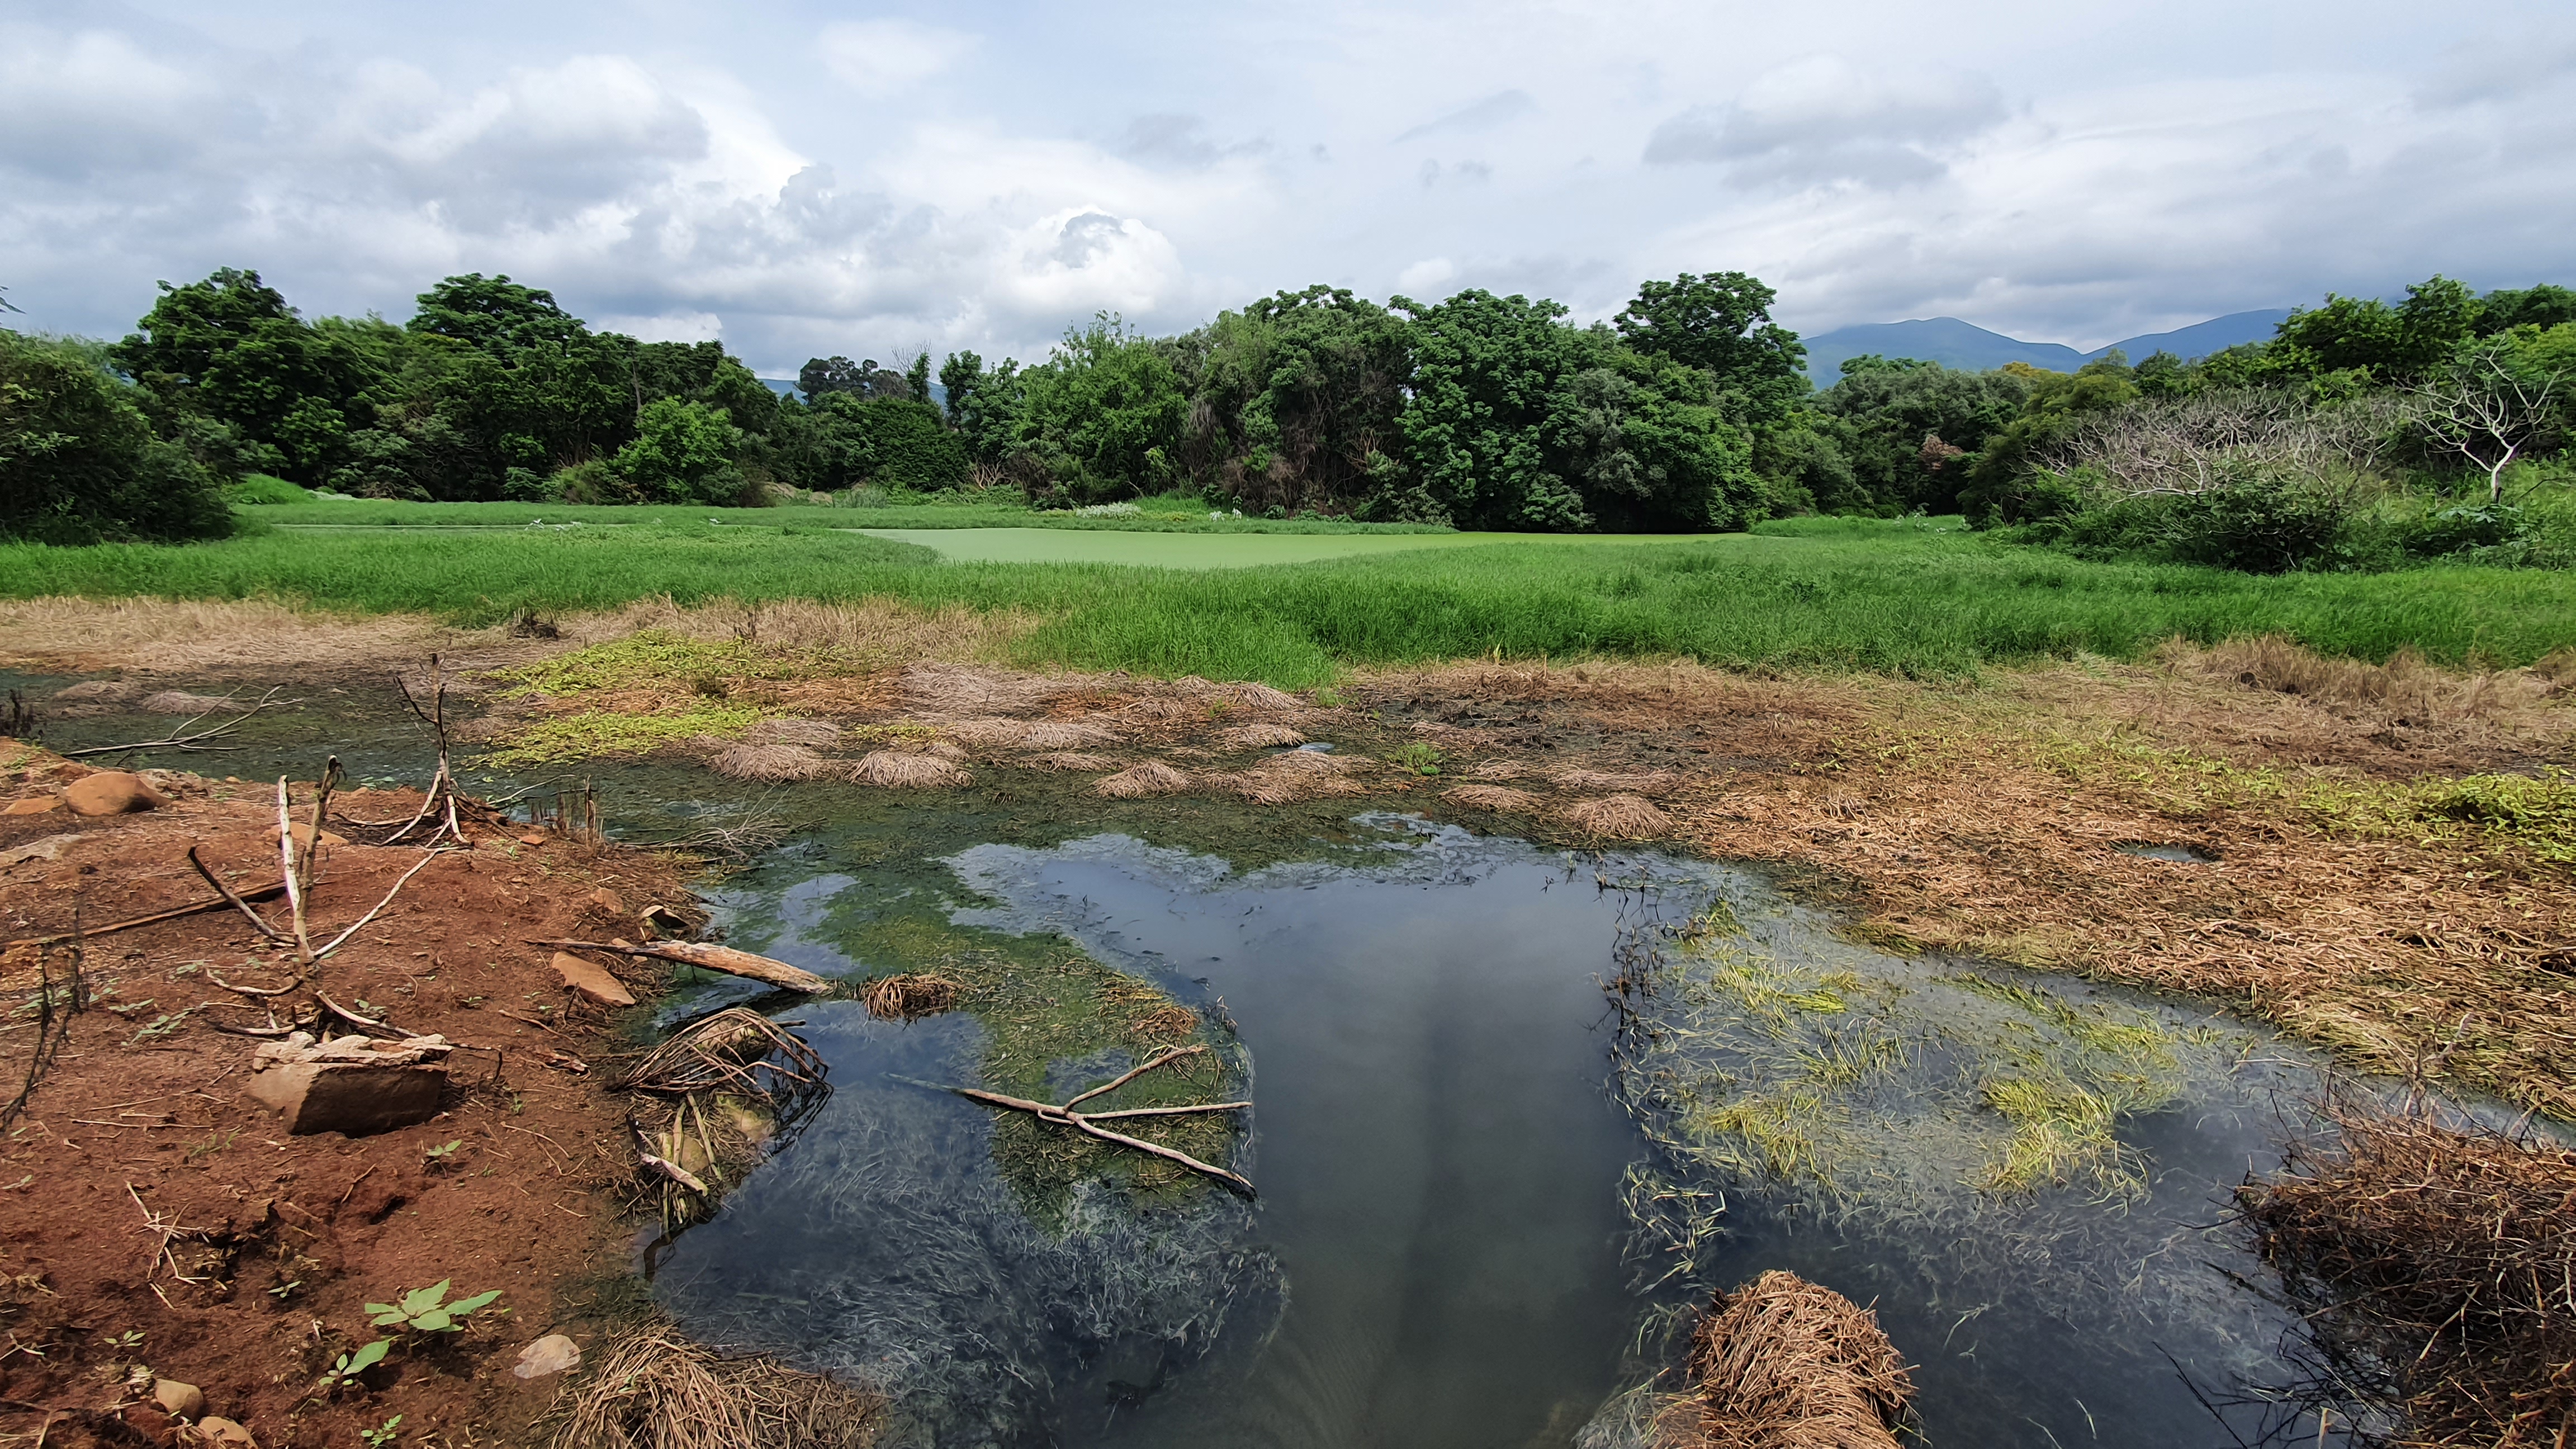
1466	1156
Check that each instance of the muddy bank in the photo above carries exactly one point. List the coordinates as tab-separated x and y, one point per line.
160	1222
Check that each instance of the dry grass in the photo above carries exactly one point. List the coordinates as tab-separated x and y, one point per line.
1647	782
2440	1261
1073	760
1618	817
653	1389
899	770
1500	770
880	631
1782	1363
1020	734
180	701
167	636
966	690
726	1050
1491	797
771	764
1298	775
1150	778
1170	1023
2406	688
1259	737
908	998
818	734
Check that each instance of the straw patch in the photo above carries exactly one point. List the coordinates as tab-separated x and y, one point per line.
1259	737
818	734
1652	782
908	998
1150	778
770	764
1500	770
897	770
653	1389
1782	1363
1618	817
1073	760
1491	797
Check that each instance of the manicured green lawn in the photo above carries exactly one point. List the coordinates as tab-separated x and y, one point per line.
1895	597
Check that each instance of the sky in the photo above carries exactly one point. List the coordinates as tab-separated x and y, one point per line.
806	179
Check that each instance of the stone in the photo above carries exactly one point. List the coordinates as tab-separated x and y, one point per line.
302	830
110	792
532	839
178	1400
214	1430
592	981
551	1354
352	1085
49	848
605	901
36	806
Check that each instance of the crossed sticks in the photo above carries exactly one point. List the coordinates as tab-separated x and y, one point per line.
1087	1123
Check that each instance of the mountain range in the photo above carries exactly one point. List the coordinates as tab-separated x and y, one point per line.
1953	343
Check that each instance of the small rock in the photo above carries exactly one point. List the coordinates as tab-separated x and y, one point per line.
49	848
111	792
36	806
532	839
351	1085
178	1400
606	900
302	830
215	1430
592	981
551	1354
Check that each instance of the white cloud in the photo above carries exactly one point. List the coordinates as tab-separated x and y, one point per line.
1819	120
882	57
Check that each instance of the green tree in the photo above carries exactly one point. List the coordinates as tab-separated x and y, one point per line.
682	452
1913	432
496	315
959	375
890	442
1102	417
1721	323
228	364
2007	483
1296	399
916	377
79	461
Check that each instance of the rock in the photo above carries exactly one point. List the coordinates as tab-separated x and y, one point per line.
605	901
36	806
551	1354
352	1085
111	792
302	830
178	1400
213	1430
594	982
532	839
49	848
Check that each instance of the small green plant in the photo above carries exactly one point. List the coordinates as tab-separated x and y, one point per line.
283	1289
444	1149
1328	698
1421	757
215	1142
126	1342
382	1435
345	1369
426	1310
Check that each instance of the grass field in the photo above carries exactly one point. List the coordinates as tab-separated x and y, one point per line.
1154	516
1895	597
1178	550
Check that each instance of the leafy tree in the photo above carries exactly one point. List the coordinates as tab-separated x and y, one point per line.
497	315
2006	484
228	364
78	459
891	442
821	376
959	375
1102	416
1721	323
1296	399
2542	306
1913	431
2496	399
682	453
916	377
2399	344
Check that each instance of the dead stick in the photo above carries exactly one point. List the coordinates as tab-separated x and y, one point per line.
1120	1081
255	990
338	940
321	809
286	860
1046	1112
345	1014
1165	1111
157	917
265	929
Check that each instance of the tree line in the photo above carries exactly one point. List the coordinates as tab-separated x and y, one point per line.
1689	410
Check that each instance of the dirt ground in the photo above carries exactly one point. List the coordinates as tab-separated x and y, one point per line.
157	1221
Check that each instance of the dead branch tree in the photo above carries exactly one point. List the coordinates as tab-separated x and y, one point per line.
2490	411
438	803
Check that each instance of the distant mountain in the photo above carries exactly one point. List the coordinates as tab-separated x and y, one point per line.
1953	343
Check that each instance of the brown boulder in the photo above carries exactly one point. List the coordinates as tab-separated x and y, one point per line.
212	1430
111	792
351	1085
37	806
605	901
592	981
178	1400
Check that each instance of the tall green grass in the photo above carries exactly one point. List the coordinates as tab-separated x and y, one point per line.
1899	600
1155	515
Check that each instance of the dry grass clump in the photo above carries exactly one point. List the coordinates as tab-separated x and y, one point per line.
2405	689
1491	797
1150	778
726	1050
653	1389
770	764
886	631
1297	775
908	998
180	701
1260	737
1174	1021
1500	770
1632	783
166	634
2439	1260
967	690
1782	1363
1073	760
898	770
1258	697
1156	709
1065	735
1618	817
819	734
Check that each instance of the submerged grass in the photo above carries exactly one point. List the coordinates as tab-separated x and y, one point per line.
1907	602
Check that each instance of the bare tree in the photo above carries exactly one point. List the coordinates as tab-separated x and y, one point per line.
2204	442
2490	411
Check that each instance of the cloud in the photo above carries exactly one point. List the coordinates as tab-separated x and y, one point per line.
1819	120
1484	115
1176	139
884	57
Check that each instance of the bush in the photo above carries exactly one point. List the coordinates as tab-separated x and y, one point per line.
682	453
78	461
2262	523
263	488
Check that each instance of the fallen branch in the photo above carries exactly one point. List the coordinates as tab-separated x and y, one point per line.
708	957
341	939
191	743
257	921
354	1019
262	893
255	990
1087	1122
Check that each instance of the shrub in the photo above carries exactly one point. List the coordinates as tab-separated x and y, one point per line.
78	461
264	488
2262	523
682	453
